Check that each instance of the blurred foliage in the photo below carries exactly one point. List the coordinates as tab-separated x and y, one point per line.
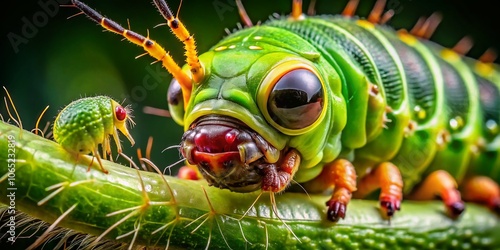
49	59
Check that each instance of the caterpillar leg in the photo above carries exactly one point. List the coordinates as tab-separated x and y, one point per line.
387	177
482	189
341	175
442	184
278	176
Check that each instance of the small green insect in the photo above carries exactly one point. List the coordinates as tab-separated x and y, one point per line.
85	123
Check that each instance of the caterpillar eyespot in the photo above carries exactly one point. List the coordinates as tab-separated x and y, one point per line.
392	110
86	123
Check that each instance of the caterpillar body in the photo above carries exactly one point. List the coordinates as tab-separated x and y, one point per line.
88	122
334	102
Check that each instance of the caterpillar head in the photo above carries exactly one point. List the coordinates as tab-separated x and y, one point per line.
251	122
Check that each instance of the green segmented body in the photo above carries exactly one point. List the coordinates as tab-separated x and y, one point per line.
84	124
450	102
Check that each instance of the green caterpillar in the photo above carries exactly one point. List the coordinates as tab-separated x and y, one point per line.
86	123
334	102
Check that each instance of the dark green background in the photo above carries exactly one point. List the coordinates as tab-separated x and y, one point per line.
63	60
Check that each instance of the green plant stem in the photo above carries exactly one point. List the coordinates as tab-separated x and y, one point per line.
139	206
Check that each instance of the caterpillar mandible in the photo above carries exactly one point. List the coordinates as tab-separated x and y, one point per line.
334	102
86	123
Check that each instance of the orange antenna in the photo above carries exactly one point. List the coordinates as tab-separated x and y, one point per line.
297	10
376	12
350	8
464	45
243	14
187	39
489	56
150	46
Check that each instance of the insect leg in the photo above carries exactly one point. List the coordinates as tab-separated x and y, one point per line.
484	190
95	154
117	140
106	148
387	177
153	48
441	183
341	175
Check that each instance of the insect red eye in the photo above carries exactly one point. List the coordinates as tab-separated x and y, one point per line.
296	100
120	113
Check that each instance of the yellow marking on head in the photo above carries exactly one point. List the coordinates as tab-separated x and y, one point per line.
232	46
257	37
